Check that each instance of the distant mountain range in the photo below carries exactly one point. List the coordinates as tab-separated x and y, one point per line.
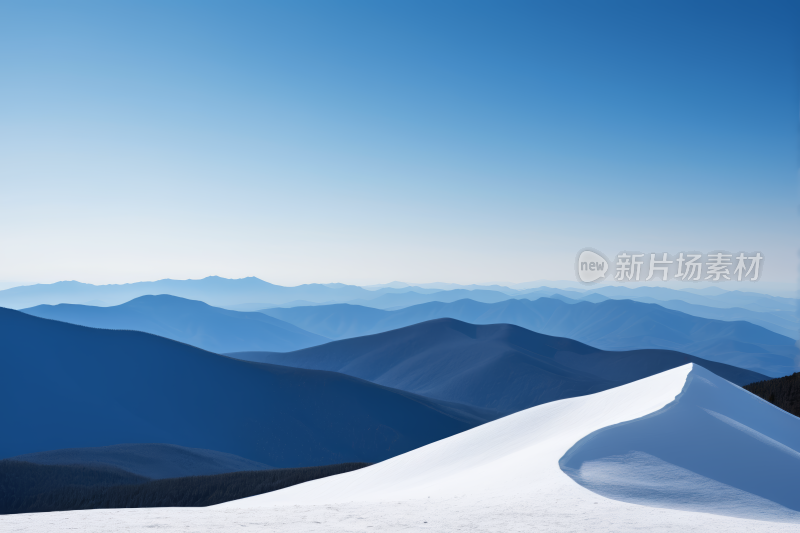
196	323
609	325
244	293
409	298
782	322
211	290
67	386
774	313
500	367
750	300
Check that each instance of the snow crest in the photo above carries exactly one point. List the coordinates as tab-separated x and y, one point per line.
715	449
684	439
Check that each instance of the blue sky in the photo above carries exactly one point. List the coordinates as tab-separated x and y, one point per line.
363	142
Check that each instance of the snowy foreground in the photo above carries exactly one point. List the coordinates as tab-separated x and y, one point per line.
680	451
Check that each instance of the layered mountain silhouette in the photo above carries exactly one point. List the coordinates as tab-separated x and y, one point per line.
251	294
771	312
501	367
196	323
68	386
153	461
609	325
411	297
750	300
782	322
213	290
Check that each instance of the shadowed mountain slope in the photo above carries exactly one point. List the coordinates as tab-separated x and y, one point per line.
196	323
502	367
609	325
68	386
153	461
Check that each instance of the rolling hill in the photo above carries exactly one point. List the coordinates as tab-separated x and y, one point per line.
500	367
609	325
67	386
153	461
196	323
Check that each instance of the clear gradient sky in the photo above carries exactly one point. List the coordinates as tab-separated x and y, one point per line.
367	141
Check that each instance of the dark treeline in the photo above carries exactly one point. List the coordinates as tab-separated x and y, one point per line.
31	488
782	392
22	482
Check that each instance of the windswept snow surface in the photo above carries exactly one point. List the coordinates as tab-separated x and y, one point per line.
683	450
716	449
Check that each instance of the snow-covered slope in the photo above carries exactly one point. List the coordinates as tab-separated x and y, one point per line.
683	439
716	449
683	450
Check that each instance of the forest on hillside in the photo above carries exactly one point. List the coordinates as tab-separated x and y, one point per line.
782	392
32	488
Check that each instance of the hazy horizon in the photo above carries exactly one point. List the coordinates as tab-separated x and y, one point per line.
311	141
778	289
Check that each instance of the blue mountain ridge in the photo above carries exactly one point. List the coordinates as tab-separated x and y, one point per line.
608	325
782	322
67	386
213	290
750	300
196	323
501	367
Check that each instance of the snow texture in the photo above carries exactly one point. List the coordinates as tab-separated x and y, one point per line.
683	450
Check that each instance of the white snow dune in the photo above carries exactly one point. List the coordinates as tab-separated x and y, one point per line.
683	450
